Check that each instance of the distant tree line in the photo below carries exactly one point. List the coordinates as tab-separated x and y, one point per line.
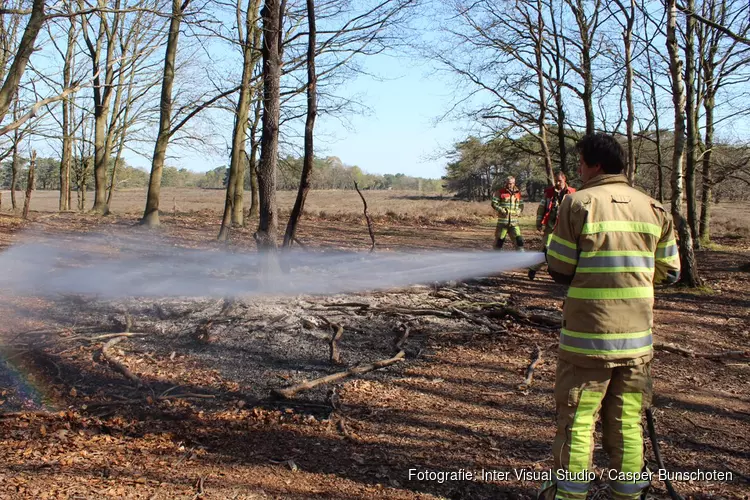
329	173
477	167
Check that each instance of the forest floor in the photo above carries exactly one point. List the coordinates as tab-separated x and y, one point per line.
182	408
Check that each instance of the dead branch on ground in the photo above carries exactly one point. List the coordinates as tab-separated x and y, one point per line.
367	218
290	392
742	355
334	345
397	346
536	358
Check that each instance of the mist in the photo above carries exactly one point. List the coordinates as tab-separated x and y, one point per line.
142	266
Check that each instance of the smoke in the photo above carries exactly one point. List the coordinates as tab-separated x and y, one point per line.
139	266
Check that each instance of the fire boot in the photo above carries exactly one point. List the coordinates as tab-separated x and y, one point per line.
499	244
519	243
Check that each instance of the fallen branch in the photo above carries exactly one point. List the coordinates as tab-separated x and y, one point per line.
290	392
334	345
536	358
106	355
412	312
361	305
367	218
401	339
539	319
477	320
689	353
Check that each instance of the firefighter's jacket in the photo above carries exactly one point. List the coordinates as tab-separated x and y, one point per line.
508	205
546	212
611	244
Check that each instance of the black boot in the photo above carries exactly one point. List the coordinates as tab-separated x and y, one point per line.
519	243
499	244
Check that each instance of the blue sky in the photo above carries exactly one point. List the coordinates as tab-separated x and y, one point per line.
398	134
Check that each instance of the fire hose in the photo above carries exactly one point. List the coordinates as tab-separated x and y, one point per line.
657	454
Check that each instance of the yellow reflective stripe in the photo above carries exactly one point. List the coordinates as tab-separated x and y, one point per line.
671	258
615	270
640	292
632	437
552	253
627	352
618	253
563	241
622	226
582	335
667	243
582	431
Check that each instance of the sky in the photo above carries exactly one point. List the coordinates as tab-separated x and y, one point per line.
398	133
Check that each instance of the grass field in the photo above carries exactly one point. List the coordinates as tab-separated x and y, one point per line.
729	220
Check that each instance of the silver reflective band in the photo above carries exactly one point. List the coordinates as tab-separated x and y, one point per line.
605	341
617	261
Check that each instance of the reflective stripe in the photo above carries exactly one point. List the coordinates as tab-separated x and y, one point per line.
624	353
573	486
562	250
667	243
605	343
621	226
630	489
582	430
563	242
641	292
632	437
668	251
604	262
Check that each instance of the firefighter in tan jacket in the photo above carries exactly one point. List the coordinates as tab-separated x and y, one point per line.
610	245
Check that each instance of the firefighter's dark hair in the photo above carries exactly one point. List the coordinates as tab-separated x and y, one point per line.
604	150
560	173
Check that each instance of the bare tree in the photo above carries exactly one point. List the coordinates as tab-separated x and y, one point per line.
21	59
687	255
233	210
312	110
628	13
272	14
151	213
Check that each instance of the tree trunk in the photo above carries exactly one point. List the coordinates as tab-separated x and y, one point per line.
29	186
312	111
25	49
151	213
689	275
233	209
627	37
691	125
542	95
67	134
252	161
272	13
557	83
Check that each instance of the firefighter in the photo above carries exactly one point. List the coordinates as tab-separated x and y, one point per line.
508	204
610	245
546	213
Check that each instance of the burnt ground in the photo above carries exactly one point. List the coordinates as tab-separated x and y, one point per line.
196	419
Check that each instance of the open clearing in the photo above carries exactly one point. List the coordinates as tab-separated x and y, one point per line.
196	419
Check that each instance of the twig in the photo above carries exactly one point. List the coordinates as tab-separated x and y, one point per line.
361	305
401	339
535	360
689	353
118	366
479	321
334	345
290	392
367	218
297	241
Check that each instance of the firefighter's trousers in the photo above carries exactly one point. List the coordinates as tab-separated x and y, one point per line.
622	394
505	226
